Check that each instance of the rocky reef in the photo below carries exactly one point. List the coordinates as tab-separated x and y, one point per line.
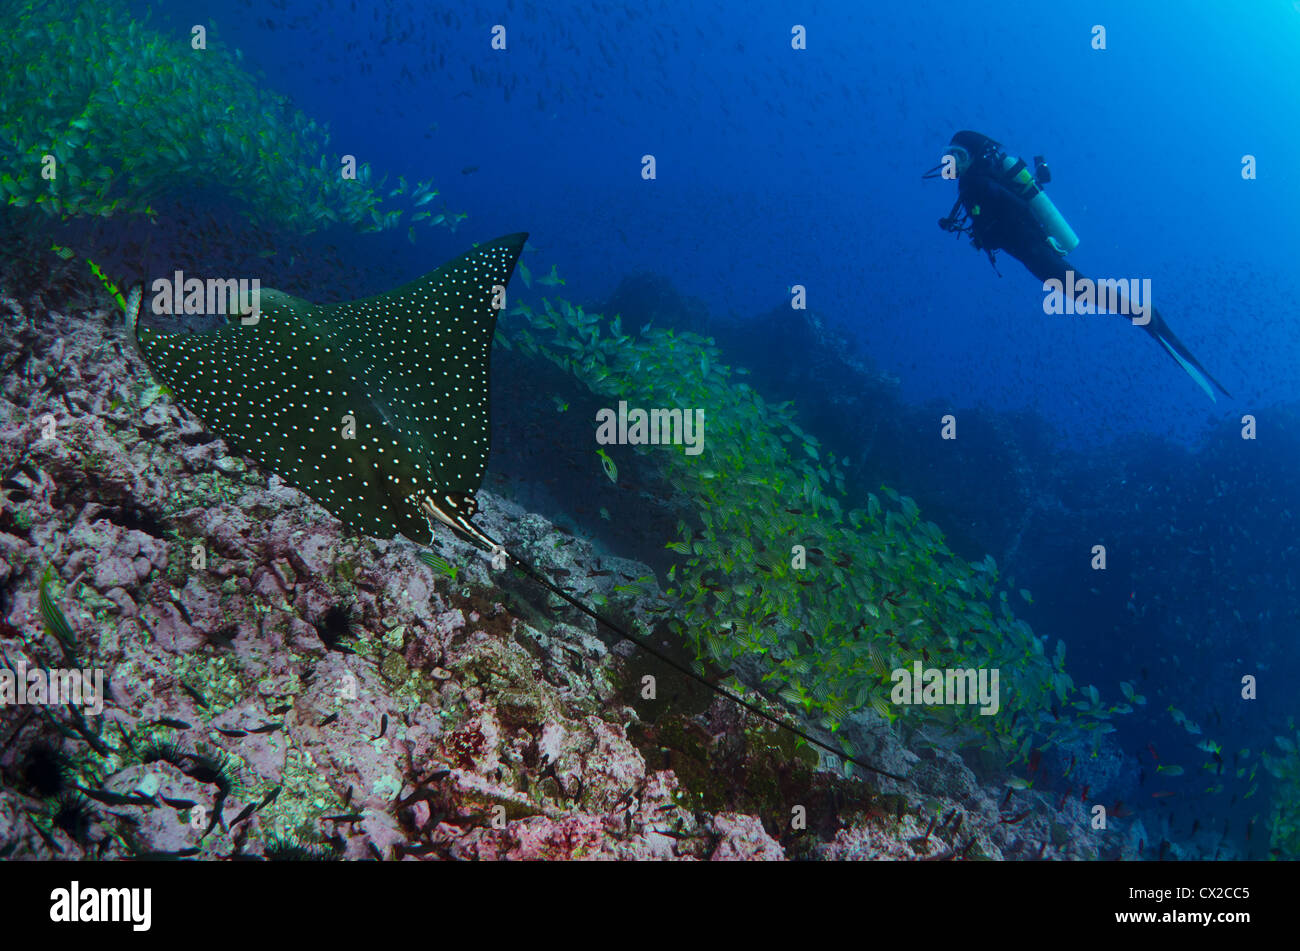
277	688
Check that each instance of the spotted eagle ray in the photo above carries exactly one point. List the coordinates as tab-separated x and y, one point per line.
376	408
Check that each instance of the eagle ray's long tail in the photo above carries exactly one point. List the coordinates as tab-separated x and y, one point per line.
676	665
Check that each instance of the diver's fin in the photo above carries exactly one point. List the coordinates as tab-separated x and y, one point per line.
1160	331
1048	266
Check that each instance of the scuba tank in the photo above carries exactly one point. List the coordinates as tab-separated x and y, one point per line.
1019	179
975	149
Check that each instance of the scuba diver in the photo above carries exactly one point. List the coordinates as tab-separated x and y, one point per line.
1001	205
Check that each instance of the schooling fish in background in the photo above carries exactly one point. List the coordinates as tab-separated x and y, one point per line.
405	374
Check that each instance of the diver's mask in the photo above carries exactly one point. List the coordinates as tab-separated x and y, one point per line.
961	160
960	157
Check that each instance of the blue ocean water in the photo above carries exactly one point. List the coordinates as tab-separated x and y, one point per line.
778	166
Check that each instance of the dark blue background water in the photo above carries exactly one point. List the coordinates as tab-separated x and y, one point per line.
778	167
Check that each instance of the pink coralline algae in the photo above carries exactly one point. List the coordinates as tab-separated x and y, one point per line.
280	688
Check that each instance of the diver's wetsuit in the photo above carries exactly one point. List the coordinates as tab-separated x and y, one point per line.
1001	220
